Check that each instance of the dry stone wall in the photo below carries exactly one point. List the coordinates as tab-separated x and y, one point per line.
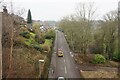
9	25
7	33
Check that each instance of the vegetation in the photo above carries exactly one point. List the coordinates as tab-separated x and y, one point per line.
50	34
25	34
29	17
40	36
116	56
99	59
85	35
29	47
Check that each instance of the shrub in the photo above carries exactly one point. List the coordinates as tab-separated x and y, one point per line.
25	34
116	56
39	39
99	59
50	34
37	47
23	29
46	47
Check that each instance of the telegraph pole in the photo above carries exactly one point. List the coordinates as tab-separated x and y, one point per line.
119	25
119	32
12	7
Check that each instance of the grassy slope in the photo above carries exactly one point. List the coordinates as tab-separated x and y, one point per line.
25	57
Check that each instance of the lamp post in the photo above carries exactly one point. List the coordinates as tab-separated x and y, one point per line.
40	61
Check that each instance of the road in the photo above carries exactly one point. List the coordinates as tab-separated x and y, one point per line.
63	66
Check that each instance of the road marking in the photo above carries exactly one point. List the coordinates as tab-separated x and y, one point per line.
65	70
64	60
72	55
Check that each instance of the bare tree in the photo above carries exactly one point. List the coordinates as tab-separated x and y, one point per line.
107	35
111	32
86	11
85	14
78	28
20	12
111	16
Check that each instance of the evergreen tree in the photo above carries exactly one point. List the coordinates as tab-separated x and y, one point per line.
29	17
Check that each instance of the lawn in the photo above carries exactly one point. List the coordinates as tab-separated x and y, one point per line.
32	34
48	42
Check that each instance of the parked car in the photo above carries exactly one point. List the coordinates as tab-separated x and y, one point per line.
61	78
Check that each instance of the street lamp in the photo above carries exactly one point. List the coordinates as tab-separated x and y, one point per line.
40	61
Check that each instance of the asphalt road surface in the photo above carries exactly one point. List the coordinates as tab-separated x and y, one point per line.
63	66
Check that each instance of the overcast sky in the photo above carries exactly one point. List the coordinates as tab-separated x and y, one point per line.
56	9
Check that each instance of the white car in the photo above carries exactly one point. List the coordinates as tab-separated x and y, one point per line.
61	78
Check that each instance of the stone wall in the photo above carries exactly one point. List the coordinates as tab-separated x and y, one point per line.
9	25
7	33
0	46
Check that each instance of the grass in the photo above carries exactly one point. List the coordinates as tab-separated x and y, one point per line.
99	74
24	57
24	62
32	34
30	41
48	42
46	46
27	42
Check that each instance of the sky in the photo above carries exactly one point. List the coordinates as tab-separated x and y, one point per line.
56	9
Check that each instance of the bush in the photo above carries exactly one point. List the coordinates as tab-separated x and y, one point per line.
116	56
39	39
46	48
23	29
50	34
25	34
37	47
99	59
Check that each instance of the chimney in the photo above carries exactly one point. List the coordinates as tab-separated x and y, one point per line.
4	9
